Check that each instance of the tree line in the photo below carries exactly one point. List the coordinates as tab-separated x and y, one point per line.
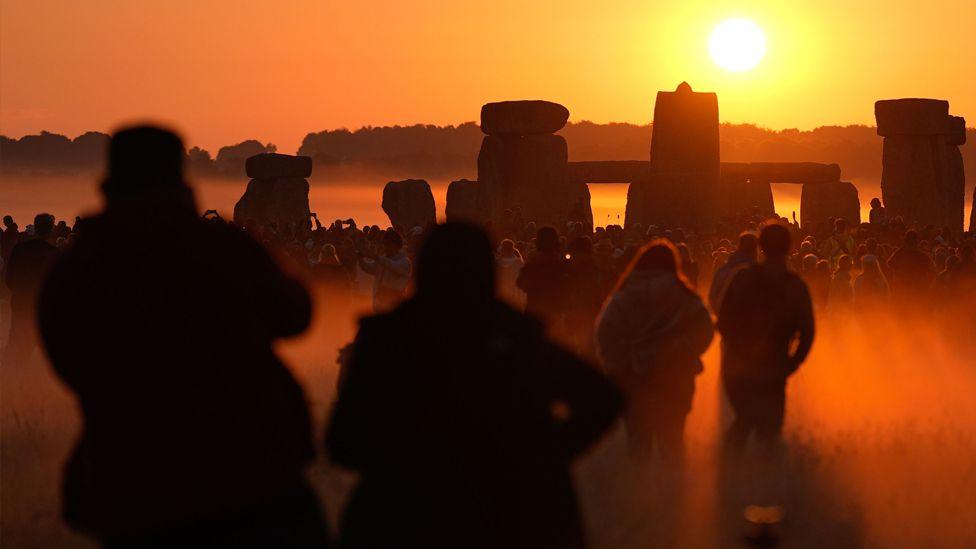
440	152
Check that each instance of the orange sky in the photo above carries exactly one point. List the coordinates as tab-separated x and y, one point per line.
224	71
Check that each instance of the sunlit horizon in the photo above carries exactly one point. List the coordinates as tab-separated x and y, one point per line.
222	72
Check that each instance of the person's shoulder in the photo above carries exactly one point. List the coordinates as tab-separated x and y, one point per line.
515	320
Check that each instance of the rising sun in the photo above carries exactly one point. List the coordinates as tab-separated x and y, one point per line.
737	44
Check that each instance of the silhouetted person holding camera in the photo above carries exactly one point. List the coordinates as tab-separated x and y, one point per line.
461	418
195	434
29	262
766	311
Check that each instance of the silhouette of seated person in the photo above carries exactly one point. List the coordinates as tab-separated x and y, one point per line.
195	433
461	418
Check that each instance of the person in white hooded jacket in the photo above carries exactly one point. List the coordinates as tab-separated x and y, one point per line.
650	335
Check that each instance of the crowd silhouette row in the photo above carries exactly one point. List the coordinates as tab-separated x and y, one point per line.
495	356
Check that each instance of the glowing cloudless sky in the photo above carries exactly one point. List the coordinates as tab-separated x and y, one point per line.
223	71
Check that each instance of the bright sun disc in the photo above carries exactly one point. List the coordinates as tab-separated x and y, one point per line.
737	44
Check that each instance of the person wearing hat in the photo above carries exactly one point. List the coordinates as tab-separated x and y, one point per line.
161	323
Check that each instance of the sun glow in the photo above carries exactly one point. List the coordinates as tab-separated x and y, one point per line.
737	44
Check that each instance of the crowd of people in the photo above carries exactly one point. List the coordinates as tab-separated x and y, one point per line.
495	356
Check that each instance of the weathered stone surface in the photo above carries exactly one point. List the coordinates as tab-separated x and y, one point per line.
280	200
268	165
684	159
464	202
912	117
955	189
915	180
523	117
822	202
609	171
669	200
781	172
747	196
956	135
530	172
922	177
409	203
972	213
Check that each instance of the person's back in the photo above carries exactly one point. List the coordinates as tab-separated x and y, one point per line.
744	256
451	424
544	278
840	297
911	269
870	287
164	333
766	322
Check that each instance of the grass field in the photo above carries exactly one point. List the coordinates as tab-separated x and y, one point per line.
881	433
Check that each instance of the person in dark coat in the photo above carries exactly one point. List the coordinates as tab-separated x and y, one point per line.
545	280
585	296
195	434
461	418
912	271
29	262
765	313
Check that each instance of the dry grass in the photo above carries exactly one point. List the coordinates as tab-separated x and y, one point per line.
881	450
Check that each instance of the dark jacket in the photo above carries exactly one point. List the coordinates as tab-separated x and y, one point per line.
545	280
164	334
451	426
766	307
720	281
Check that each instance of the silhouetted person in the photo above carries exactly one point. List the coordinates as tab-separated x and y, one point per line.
585	296
912	271
24	272
840	296
461	417
745	255
545	278
651	335
878	216
8	238
195	434
391	270
765	312
839	244
871	290
508	265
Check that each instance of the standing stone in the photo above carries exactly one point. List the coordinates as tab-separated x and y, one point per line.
409	204
922	177
736	197
821	202
464	202
684	162
277	192
522	164
972	213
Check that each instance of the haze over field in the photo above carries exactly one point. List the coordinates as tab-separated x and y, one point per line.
168	329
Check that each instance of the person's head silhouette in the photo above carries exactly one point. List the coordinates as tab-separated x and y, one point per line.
456	267
144	160
775	241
